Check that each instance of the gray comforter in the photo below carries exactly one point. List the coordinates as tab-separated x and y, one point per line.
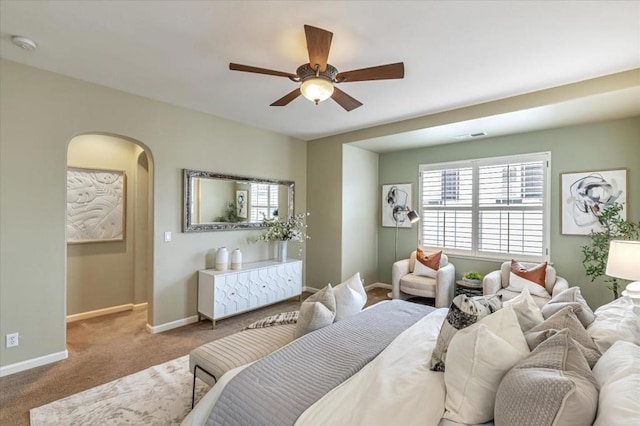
277	389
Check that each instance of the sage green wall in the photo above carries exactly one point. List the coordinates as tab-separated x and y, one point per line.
595	146
324	186
41	112
101	275
359	200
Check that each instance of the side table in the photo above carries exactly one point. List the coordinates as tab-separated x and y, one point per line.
469	290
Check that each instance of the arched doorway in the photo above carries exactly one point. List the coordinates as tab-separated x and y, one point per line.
109	226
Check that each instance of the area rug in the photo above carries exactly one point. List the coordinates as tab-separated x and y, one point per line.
160	395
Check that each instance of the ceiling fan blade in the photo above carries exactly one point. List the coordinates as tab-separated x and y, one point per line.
344	100
248	68
318	45
287	98
381	72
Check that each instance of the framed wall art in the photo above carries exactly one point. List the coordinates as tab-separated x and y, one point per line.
396	202
584	195
96	205
241	203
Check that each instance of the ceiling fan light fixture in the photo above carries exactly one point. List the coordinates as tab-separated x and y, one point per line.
316	89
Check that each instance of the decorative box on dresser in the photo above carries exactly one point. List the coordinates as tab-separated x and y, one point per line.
225	293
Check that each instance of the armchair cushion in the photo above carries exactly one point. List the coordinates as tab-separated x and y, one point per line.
533	278
427	265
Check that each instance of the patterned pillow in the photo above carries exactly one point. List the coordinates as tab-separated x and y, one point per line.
462	313
553	385
316	312
565	319
570	297
427	265
532	279
277	319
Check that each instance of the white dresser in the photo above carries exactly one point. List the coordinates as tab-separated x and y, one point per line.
225	293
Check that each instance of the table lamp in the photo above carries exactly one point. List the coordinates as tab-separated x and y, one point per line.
624	262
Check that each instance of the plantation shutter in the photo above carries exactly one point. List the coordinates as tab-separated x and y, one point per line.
264	201
495	207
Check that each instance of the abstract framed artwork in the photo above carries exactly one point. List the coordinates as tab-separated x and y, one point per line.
96	205
584	195
396	202
241	203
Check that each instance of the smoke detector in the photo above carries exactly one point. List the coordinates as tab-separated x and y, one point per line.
24	43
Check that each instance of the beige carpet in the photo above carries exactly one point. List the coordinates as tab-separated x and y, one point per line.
113	346
160	395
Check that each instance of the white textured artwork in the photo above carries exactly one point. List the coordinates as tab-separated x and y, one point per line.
95	205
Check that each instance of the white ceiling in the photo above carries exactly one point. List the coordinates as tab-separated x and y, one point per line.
456	54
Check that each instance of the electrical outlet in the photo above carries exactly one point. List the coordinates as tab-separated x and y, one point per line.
12	340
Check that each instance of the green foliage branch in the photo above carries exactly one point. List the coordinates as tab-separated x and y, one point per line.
596	253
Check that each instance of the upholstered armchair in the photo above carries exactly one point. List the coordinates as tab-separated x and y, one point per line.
496	282
406	284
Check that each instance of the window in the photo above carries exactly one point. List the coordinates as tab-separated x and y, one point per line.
264	201
491	208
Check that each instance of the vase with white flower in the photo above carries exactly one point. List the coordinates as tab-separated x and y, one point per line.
292	229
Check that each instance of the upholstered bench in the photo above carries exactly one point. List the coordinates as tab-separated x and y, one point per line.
210	361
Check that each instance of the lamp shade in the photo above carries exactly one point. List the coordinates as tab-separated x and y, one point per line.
316	89
413	216
624	260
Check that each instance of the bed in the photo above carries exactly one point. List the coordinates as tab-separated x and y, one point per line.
391	384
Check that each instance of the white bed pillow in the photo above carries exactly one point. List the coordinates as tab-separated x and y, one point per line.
615	321
526	310
350	297
618	376
478	358
570	297
317	311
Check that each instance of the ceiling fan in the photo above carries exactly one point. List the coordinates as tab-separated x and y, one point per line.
318	77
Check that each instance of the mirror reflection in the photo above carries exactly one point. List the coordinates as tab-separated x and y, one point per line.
216	202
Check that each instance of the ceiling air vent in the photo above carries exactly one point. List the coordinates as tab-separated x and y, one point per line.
471	135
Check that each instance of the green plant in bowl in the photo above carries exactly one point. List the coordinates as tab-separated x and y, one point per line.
472	278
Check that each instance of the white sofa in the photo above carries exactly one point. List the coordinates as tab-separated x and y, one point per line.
406	284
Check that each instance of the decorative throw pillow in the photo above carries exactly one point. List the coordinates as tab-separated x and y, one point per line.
553	385
532	279
618	376
277	319
350	297
317	311
526	309
478	358
462	313
570	297
561	320
615	321
427	265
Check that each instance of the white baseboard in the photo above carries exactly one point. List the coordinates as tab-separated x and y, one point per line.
33	363
106	311
378	285
153	329
310	289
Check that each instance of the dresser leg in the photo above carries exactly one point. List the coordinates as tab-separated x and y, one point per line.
213	324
